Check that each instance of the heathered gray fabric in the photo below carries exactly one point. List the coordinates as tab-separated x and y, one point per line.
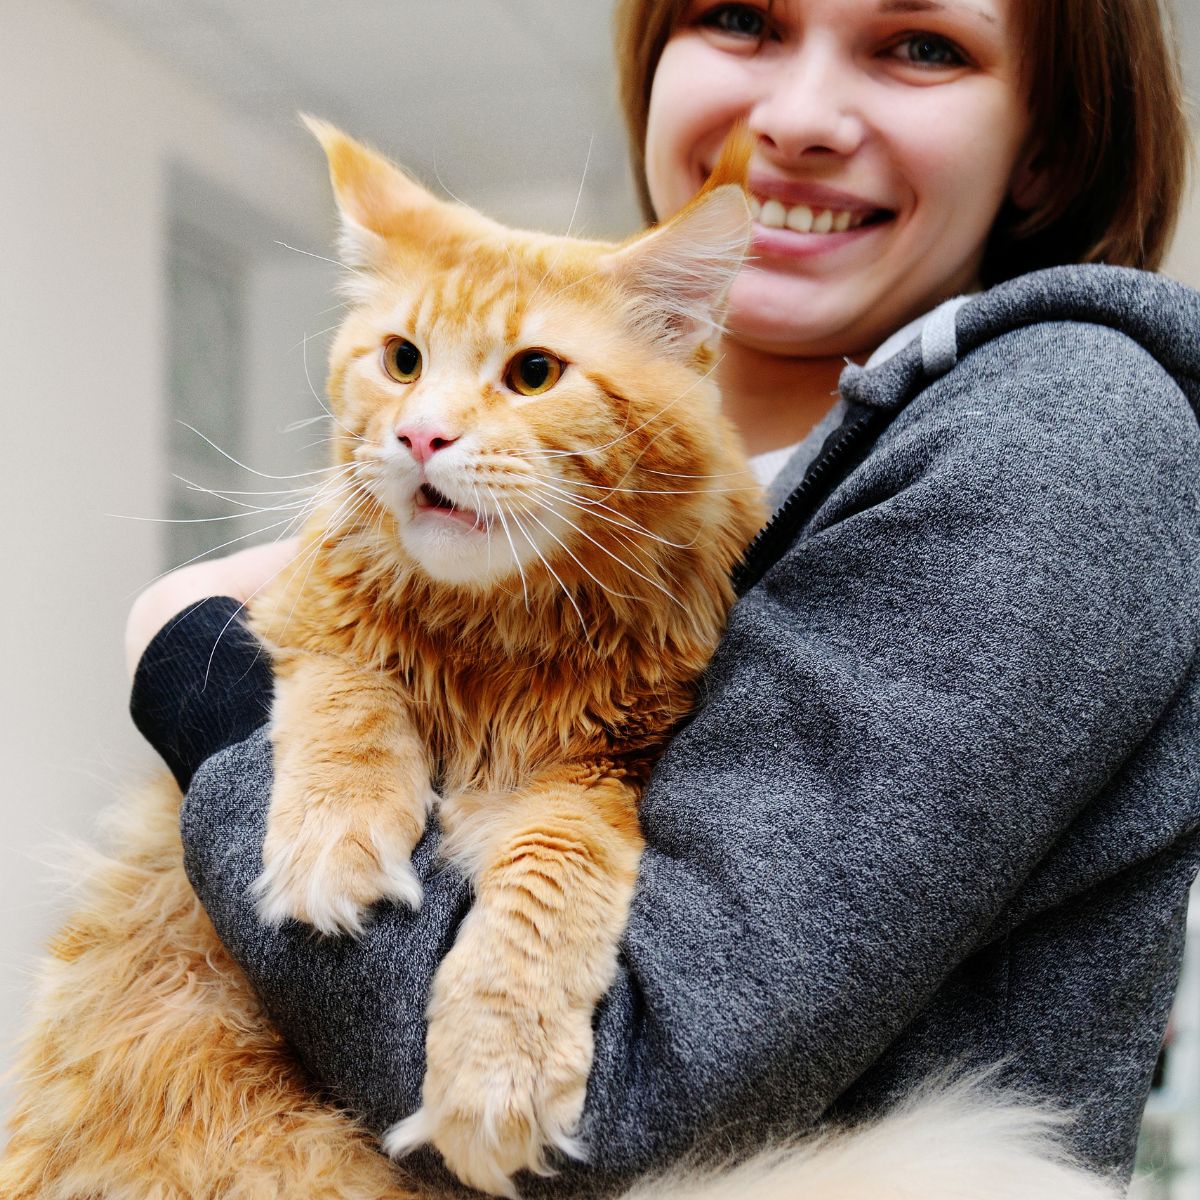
940	803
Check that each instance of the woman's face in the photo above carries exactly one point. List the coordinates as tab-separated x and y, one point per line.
888	134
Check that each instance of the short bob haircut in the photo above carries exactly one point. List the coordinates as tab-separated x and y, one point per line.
1106	97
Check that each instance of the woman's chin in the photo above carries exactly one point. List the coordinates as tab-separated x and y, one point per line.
797	317
785	338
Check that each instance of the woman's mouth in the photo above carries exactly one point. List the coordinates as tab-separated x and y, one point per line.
807	218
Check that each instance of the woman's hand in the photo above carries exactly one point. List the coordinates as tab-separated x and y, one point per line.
239	575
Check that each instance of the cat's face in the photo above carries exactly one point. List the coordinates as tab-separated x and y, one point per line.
520	405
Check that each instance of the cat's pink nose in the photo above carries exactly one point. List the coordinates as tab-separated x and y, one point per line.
422	441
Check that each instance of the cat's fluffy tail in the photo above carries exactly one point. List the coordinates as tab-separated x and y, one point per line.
945	1142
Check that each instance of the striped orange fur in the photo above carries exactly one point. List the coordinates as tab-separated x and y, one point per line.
520	658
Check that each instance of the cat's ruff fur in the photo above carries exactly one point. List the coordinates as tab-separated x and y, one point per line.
152	1073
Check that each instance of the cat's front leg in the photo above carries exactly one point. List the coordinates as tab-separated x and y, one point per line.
351	796
509	1044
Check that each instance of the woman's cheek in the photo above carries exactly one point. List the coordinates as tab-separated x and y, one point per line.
686	124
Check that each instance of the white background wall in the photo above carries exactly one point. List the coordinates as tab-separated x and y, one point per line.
89	129
93	129
1184	262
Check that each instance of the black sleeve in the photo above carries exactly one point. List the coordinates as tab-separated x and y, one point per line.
202	684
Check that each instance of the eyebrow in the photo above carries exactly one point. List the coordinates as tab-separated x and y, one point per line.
919	6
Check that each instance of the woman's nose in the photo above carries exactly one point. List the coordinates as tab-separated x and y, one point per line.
808	104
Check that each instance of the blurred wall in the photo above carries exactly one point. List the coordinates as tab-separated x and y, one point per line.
1184	260
95	134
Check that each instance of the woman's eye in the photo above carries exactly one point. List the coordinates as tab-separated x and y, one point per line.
401	360
929	50
533	371
740	20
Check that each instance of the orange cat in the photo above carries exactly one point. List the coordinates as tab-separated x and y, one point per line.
507	594
505	605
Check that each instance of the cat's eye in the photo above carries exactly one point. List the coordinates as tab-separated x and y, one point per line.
401	360
533	372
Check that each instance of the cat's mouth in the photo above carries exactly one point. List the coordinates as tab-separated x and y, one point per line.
429	500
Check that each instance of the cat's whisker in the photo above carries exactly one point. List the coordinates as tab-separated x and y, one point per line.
212	550
254	511
633	536
226	493
570	224
610	488
309	555
511	545
319	333
334	523
642	555
614	517
261	474
604	549
681	475
545	562
343	304
336	262
316	395
304	422
568	551
329	492
488	527
303	497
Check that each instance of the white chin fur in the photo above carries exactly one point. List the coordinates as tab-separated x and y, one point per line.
453	552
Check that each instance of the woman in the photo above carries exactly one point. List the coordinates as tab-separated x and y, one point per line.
939	806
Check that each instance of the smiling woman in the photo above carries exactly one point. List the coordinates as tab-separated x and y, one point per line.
959	143
889	121
1108	137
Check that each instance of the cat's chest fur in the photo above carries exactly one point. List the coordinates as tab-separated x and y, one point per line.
498	688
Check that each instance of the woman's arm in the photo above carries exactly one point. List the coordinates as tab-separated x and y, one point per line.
980	626
241	575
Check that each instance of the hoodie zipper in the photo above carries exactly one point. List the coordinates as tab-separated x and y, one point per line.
781	530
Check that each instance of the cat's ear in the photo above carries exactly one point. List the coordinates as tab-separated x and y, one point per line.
375	198
679	273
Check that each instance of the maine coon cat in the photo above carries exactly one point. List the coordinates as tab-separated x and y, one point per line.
507	601
505	597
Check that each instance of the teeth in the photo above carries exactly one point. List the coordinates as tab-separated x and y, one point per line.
802	218
773	214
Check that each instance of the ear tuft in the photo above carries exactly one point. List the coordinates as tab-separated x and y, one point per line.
680	272
375	198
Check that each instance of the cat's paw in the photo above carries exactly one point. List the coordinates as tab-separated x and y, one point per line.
505	1083
486	1144
327	870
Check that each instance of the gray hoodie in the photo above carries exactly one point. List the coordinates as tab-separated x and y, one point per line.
939	804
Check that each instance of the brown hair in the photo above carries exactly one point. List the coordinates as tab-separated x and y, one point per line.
1106	97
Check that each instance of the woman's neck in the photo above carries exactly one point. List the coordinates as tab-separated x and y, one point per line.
774	401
